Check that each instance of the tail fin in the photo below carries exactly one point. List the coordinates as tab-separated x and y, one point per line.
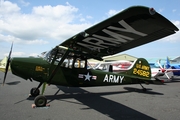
140	69
168	63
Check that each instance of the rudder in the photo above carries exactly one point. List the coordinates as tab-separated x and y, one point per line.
140	69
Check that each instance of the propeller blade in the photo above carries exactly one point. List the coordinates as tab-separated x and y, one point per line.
7	64
167	75
158	62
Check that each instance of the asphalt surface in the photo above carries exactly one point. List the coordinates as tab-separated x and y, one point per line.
126	102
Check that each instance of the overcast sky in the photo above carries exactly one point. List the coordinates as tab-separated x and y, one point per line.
36	26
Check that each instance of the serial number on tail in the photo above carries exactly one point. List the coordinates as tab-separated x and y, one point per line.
141	72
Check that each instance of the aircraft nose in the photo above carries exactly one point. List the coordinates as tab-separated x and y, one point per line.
18	67
14	66
26	67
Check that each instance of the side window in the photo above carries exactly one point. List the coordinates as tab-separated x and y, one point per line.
79	63
67	63
104	67
58	58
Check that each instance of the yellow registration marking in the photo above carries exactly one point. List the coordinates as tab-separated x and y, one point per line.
141	70
39	68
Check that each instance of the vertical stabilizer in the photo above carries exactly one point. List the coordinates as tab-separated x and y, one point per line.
140	69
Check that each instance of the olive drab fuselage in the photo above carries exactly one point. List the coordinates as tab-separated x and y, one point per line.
72	70
67	63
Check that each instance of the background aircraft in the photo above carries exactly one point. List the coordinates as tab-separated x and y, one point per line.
161	72
66	64
117	66
168	68
3	64
174	67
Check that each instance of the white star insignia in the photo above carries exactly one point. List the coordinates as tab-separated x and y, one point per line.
87	77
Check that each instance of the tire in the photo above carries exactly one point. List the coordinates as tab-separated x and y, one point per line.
40	101
34	93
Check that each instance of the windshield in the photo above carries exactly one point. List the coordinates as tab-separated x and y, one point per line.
57	51
66	57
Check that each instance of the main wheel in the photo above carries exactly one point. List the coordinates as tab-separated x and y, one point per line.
40	101
34	92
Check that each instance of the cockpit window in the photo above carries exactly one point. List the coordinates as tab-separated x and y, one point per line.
57	52
67	63
71	60
79	63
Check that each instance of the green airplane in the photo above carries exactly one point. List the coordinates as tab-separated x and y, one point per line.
67	63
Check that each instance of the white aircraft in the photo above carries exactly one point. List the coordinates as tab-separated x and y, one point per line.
158	71
167	71
117	66
3	64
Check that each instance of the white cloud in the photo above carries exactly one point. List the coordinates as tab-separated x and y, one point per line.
177	23
89	17
112	12
33	54
44	23
15	54
174	10
42	26
160	10
10	39
7	8
60	12
37	42
24	3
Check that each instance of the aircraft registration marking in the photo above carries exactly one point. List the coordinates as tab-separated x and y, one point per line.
113	78
141	70
98	42
39	68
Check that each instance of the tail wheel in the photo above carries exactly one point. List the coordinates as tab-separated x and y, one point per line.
34	92
40	101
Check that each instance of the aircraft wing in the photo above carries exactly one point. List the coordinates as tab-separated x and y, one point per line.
130	28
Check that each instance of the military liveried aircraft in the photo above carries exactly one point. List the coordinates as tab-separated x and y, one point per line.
66	64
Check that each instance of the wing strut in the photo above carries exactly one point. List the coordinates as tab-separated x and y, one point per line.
57	67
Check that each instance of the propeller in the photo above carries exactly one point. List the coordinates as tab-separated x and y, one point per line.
7	64
163	70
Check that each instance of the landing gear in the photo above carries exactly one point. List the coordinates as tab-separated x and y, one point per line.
143	88
40	101
34	92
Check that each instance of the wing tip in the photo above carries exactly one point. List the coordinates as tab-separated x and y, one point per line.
152	11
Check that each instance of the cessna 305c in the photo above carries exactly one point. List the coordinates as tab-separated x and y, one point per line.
66	64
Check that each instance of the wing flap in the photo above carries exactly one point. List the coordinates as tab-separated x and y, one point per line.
130	28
